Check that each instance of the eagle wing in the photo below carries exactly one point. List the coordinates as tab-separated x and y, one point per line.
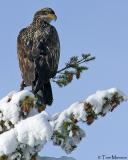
34	46
51	50
26	64
55	56
24	47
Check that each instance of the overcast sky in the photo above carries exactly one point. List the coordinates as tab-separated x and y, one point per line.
99	27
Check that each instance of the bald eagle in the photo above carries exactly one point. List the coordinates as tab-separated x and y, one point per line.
38	49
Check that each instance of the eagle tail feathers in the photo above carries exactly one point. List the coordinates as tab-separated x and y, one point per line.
44	95
48	97
42	86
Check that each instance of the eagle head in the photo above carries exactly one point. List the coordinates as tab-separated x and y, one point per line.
46	14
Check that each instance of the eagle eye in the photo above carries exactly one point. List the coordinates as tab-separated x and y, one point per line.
45	12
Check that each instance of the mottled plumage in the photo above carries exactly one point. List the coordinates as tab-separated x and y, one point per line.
38	52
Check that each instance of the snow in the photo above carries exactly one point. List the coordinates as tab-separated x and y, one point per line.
97	100
113	90
63	123
6	98
76	109
19	96
52	158
68	137
10	112
35	130
8	142
10	105
30	135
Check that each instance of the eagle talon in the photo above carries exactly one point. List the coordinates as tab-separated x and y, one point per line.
41	108
22	85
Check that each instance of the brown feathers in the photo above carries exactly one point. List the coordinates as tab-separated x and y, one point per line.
40	39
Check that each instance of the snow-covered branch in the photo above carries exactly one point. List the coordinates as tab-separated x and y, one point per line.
24	131
51	158
67	133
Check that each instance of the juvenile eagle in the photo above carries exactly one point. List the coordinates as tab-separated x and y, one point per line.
38	50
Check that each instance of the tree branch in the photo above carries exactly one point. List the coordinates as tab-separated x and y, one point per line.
72	69
85	58
31	134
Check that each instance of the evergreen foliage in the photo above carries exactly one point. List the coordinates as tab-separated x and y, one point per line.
72	69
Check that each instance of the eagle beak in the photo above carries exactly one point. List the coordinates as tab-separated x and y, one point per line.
52	17
55	17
